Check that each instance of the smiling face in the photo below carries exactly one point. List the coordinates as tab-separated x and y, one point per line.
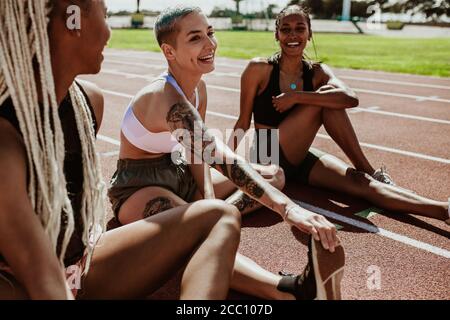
82	48
293	33
194	46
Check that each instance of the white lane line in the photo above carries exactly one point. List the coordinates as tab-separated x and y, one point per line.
367	145
108	139
397	151
412	84
390	74
139	64
109	154
223	88
384	93
114	93
217	62
402	95
402	115
373	229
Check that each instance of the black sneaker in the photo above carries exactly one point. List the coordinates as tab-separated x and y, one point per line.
321	278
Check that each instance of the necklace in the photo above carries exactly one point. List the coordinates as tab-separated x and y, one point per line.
293	84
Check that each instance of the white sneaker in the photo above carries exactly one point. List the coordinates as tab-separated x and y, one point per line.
381	175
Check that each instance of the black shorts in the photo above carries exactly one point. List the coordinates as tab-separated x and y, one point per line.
299	173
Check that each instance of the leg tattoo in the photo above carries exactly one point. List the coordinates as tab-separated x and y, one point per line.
157	205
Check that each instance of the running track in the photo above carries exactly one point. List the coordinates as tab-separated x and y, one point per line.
403	122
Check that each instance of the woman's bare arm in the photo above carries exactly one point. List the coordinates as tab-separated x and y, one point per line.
23	242
332	93
249	88
188	127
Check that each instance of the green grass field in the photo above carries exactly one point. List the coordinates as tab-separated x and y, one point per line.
415	56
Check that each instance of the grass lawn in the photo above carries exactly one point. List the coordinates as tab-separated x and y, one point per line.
405	55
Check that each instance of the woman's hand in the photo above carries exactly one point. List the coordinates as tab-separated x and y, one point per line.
316	225
284	101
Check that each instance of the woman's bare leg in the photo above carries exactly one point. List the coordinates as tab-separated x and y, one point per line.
249	277
340	129
304	121
332	173
252	279
136	259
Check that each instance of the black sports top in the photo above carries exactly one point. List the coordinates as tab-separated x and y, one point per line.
263	110
73	170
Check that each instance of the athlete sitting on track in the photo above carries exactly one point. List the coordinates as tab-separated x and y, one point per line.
296	96
51	198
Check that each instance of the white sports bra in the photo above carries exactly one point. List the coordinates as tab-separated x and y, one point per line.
153	142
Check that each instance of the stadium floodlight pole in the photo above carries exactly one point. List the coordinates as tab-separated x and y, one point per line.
237	6
346	10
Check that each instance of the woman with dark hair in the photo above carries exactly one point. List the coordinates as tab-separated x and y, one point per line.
292	97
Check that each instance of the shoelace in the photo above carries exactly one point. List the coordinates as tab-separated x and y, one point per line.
385	177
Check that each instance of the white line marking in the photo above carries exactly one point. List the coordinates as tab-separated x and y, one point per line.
373	229
148	77
108	139
401	95
412	84
109	154
223	88
217	62
139	64
368	145
402	115
393	150
390	74
114	93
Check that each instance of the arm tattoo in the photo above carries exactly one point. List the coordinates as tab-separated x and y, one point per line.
245	177
183	116
241	201
157	205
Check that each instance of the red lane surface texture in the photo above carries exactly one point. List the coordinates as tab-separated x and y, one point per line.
403	122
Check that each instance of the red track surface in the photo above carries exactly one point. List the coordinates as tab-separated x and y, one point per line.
414	259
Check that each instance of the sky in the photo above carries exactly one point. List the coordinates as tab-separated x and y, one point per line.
205	5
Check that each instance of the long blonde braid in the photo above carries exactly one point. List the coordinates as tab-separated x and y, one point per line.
24	39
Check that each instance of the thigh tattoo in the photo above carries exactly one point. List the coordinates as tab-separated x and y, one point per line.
157	205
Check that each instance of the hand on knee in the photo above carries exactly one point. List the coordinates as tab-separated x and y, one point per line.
279	179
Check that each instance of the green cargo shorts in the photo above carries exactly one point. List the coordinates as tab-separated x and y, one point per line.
132	175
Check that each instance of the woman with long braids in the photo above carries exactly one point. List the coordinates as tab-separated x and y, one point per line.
51	192
291	97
